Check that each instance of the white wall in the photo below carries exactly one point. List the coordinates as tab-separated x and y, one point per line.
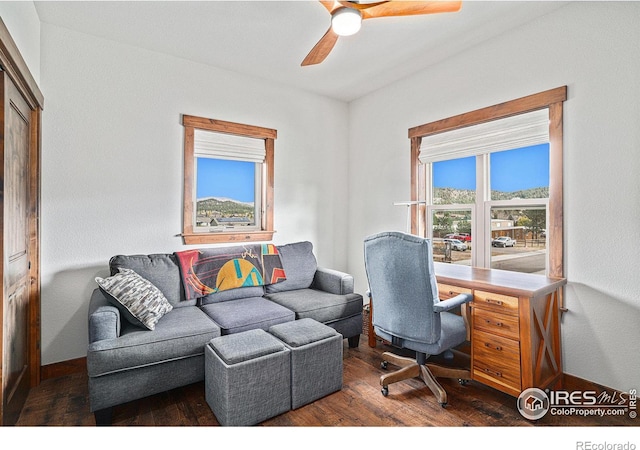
21	19
112	147
112	165
592	47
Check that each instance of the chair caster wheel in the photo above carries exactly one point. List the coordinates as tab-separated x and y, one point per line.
463	382
384	365
385	391
444	405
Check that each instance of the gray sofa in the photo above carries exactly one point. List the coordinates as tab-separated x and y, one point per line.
126	362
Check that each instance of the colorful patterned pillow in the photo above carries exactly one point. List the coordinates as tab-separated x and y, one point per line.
140	302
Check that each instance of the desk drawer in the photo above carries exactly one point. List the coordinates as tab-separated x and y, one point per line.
494	350
500	324
496	361
449	291
503	378
504	304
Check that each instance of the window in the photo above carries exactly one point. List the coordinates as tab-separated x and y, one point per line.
452	194
519	187
520	173
516	242
228	181
493	177
454	181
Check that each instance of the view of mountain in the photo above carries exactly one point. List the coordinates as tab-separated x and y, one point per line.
449	196
223	207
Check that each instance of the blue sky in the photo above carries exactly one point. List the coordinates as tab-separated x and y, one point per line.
455	173
226	178
511	170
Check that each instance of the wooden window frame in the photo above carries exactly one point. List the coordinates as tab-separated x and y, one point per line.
265	233
553	100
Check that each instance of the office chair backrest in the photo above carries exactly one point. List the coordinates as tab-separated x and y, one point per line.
403	287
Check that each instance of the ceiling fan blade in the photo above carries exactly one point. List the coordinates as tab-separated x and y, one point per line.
409	8
320	51
330	5
356	5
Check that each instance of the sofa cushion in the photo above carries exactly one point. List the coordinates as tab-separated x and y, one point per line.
299	265
138	300
300	333
318	305
182	333
247	346
160	269
247	314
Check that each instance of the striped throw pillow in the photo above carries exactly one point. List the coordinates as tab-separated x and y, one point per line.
139	301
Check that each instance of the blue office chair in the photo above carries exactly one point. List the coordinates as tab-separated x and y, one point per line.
407	311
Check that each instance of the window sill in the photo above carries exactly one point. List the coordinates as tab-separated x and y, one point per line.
225	237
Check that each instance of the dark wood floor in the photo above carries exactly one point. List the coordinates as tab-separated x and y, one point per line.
63	402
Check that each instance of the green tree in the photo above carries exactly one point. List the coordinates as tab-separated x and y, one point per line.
464	226
442	224
534	221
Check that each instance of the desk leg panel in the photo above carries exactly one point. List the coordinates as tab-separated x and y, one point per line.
541	355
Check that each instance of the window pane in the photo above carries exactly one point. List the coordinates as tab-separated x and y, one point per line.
452	236
518	239
454	181
225	194
520	173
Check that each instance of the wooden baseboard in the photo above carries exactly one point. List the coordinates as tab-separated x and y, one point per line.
569	382
572	383
63	368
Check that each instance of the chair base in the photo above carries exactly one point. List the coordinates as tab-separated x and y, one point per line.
411	368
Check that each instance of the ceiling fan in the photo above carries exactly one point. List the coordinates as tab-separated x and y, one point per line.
347	17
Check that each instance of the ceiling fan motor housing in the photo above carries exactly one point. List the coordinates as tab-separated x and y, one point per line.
346	21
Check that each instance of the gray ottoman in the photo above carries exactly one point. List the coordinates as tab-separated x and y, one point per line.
316	359
247	377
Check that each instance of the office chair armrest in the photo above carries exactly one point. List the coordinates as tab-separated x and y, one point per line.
453	302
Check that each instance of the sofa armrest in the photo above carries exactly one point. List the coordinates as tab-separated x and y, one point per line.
332	281
104	318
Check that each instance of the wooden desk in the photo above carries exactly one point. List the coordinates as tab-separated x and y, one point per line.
514	325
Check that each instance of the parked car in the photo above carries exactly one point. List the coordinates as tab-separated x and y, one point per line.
464	237
503	241
457	244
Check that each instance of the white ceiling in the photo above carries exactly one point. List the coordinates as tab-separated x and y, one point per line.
269	39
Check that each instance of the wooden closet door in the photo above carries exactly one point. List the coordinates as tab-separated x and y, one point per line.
15	222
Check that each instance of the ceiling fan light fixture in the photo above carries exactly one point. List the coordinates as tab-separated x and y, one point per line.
346	21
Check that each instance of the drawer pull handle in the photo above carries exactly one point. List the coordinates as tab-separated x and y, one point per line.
497	374
498	324
454	293
497	347
495	302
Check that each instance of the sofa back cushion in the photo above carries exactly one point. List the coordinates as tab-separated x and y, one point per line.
233	294
299	265
161	270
